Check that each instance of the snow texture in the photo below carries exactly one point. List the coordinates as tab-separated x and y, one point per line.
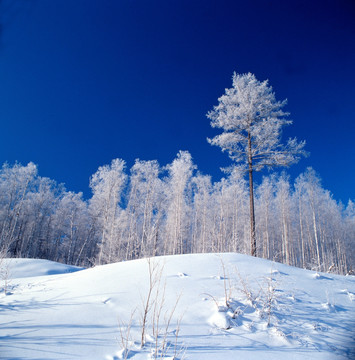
54	311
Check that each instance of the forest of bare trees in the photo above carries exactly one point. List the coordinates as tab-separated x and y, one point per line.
151	210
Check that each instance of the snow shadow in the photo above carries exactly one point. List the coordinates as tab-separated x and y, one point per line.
25	337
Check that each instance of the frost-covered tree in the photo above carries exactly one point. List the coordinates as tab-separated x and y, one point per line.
16	183
143	212
229	210
107	185
178	204
70	222
265	211
252	122
322	225
236	193
349	234
42	202
201	234
283	214
309	189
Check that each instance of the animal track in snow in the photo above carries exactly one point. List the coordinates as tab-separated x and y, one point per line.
182	275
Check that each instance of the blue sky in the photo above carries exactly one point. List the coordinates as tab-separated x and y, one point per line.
83	82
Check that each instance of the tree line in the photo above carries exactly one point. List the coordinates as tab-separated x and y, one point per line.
174	209
153	210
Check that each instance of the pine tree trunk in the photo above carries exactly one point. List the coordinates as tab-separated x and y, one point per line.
251	199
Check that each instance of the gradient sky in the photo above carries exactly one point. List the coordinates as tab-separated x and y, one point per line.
83	82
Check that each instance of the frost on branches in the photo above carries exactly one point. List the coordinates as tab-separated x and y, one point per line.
252	122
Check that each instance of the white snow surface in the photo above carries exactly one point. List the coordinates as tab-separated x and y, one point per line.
54	311
20	268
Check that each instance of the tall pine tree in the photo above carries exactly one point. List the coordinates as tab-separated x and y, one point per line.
252	122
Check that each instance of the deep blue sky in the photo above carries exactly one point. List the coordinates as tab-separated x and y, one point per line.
83	82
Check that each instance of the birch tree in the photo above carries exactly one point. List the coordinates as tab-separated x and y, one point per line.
107	185
283	211
202	189
265	198
143	212
252	122
15	184
70	220
178	206
349	235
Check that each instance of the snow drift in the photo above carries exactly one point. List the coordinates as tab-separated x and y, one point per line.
210	306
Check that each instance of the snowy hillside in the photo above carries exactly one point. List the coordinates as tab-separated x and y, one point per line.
204	307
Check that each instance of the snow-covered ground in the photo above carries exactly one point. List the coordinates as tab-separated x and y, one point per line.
273	311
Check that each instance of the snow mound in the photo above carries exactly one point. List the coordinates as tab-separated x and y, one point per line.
220	320
272	311
23	268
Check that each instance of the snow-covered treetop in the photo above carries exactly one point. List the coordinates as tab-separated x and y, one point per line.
252	120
